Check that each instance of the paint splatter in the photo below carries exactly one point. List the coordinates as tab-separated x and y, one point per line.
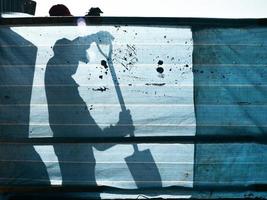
104	64
155	84
126	56
160	70
160	62
101	89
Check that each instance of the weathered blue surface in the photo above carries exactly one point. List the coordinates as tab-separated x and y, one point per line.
230	100
220	93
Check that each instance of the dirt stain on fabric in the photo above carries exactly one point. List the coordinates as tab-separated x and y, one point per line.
101	89
155	84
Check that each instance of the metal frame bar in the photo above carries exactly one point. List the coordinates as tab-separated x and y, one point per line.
197	139
135	21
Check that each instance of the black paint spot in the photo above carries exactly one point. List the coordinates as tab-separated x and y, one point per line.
243	103
7	97
101	89
155	84
160	62
104	64
160	70
101	77
186	65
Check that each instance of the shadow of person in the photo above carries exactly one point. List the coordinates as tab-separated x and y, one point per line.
141	164
20	164
59	10
69	116
94	12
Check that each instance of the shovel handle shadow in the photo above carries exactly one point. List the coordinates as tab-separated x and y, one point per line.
141	164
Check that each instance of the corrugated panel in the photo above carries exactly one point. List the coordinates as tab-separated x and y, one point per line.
230	99
65	97
197	122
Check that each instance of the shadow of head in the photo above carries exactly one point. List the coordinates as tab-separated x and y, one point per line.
94	12
59	10
70	52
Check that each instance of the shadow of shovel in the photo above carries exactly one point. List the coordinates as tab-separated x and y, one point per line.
141	163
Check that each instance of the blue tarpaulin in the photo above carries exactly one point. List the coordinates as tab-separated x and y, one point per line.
194	117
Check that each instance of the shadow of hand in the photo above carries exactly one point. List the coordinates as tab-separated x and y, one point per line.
104	38
126	122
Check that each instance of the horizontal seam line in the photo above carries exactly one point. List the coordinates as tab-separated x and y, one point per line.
131	85
136	105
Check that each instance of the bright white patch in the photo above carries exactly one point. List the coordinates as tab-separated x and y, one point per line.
51	162
166	8
81	23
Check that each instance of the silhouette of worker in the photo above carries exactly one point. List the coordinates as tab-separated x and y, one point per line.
69	116
59	10
94	12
